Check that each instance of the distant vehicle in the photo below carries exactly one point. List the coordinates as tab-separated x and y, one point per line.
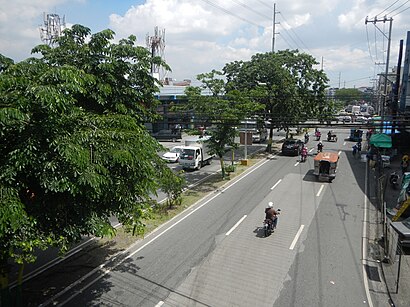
361	119
356	135
292	147
168	135
257	128
195	153
343	118
403	229
172	156
355	110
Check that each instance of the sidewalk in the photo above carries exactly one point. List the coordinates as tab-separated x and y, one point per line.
393	270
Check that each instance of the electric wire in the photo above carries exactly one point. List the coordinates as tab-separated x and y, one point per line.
401	12
251	9
398	7
294	33
265	4
388	7
368	43
231	13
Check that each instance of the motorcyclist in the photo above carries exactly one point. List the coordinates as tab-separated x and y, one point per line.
304	153
306	137
329	135
318	134
359	147
319	147
271	214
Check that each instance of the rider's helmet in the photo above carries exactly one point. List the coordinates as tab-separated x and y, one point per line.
270	204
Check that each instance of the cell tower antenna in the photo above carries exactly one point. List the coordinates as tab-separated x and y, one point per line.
52	28
156	44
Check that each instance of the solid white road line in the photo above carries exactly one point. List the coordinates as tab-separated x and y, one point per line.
311	150
292	246
339	153
344	143
320	190
160	303
236	225
297	163
276	184
364	242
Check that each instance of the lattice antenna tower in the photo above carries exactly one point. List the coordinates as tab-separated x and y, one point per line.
156	44
52	28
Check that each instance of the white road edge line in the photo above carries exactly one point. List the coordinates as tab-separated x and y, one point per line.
339	153
276	184
344	143
105	271
320	190
236	225
160	303
297	163
364	242
311	150
292	246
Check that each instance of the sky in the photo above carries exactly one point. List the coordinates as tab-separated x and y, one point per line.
202	35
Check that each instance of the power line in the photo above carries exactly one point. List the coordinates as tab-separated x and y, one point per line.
388	7
294	33
401	11
399	7
251	9
231	13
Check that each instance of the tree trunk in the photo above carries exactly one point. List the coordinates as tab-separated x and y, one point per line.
221	160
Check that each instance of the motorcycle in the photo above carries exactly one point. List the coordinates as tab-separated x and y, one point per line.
318	135
268	227
394	180
306	138
303	156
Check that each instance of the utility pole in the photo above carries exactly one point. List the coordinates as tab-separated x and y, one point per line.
374	21
274	23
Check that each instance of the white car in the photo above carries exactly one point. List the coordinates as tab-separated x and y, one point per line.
172	155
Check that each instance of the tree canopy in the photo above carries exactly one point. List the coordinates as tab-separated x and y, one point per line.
74	147
223	109
286	82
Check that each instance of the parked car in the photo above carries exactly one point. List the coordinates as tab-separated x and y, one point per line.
172	156
292	147
403	229
168	135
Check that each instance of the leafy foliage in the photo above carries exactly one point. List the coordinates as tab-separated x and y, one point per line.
74	148
224	109
286	82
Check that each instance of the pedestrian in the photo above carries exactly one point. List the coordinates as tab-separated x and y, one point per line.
404	164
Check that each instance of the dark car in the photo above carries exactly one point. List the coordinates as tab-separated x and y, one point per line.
403	229
292	147
168	135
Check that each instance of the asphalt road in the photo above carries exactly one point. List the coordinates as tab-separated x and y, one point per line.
214	254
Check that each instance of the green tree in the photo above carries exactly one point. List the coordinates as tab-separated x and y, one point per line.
74	148
286	82
348	95
224	109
